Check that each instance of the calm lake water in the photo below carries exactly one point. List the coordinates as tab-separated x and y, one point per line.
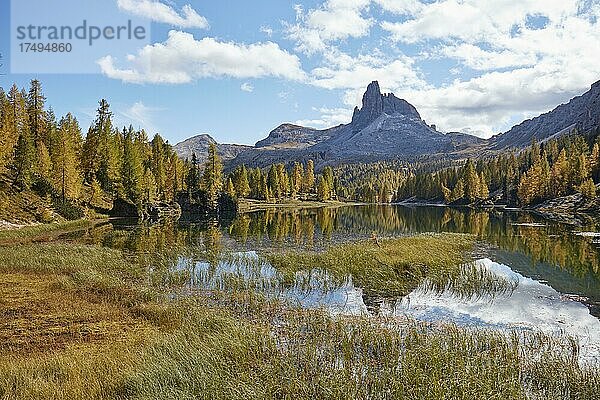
554	267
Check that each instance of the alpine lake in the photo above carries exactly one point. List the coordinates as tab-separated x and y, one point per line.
526	274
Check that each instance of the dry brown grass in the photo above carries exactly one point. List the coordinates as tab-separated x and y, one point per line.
36	316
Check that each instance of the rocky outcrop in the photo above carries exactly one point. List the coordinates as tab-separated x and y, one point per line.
161	210
574	209
124	209
384	127
290	136
387	127
374	104
199	145
581	113
152	211
196	206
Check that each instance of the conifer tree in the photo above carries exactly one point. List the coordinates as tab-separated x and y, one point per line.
212	179
8	134
309	177
472	182
241	182
24	159
284	182
66	145
323	190
157	163
328	176
297	177
588	189
193	179
263	192
560	175
229	189
132	170
36	114
273	181
100	159
43	162
149	186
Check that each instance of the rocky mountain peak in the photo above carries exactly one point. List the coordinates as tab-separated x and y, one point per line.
374	104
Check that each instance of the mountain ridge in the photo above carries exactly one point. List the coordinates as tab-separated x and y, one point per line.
387	127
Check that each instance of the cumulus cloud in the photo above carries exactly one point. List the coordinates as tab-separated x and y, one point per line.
402	7
525	67
514	60
160	12
335	20
183	59
342	71
473	20
328	117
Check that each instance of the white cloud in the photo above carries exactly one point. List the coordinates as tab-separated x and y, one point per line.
474	20
328	117
402	7
139	115
335	20
345	72
267	30
159	12
247	87
182	59
517	69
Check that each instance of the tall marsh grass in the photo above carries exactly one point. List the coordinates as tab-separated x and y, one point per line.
239	344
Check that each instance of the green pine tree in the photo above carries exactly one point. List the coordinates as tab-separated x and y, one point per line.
212	179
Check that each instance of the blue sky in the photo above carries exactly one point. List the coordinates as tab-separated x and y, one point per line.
237	69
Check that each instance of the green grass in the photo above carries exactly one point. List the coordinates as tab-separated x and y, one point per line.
225	344
392	268
34	231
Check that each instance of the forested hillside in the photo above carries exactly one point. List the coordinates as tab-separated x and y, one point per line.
49	170
559	167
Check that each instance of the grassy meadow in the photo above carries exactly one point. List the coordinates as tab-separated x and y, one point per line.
87	322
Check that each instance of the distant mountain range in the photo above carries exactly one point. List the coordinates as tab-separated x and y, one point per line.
386	127
199	145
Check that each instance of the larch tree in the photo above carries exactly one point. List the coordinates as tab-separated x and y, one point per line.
323	189
273	181
212	179
36	113
8	134
66	145
158	161
24	160
241	182
229	189
297	177
309	177
132	170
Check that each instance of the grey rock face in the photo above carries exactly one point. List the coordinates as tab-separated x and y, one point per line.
581	113
388	127
385	127
199	145
290	136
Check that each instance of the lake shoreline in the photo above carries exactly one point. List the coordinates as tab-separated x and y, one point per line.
119	331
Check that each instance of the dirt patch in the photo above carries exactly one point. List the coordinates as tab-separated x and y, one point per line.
36	317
